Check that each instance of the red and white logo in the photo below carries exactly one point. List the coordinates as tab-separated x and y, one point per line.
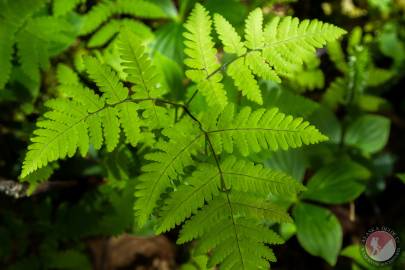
380	246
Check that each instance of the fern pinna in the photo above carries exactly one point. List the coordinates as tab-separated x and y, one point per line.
217	194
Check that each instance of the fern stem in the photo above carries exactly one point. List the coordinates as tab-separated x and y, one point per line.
221	175
234	229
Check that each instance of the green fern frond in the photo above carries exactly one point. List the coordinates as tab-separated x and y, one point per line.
230	226
288	42
107	80
245	81
204	184
228	36
278	49
201	57
138	67
245	176
15	20
185	139
130	123
83	118
38	35
111	28
111	127
197	189
252	131
145	77
254	30
102	11
261	68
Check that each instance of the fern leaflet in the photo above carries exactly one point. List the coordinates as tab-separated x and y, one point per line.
201	57
253	131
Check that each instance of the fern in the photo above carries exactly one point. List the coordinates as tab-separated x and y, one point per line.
201	57
110	29
97	119
278	49
13	14
77	122
204	184
167	163
102	11
195	174
230	226
36	38
144	76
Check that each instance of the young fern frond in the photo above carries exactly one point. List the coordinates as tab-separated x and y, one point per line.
278	49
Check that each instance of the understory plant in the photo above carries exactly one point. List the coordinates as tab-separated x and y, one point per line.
199	153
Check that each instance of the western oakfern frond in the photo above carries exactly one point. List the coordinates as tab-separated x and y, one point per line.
83	118
198	168
184	140
105	9
252	131
231	226
277	49
288	42
147	81
248	131
201	57
237	175
111	28
25	30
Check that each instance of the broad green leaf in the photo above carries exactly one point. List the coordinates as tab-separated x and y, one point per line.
390	44
287	101
354	252
401	177
169	42
369	133
292	162
340	182
326	121
318	231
